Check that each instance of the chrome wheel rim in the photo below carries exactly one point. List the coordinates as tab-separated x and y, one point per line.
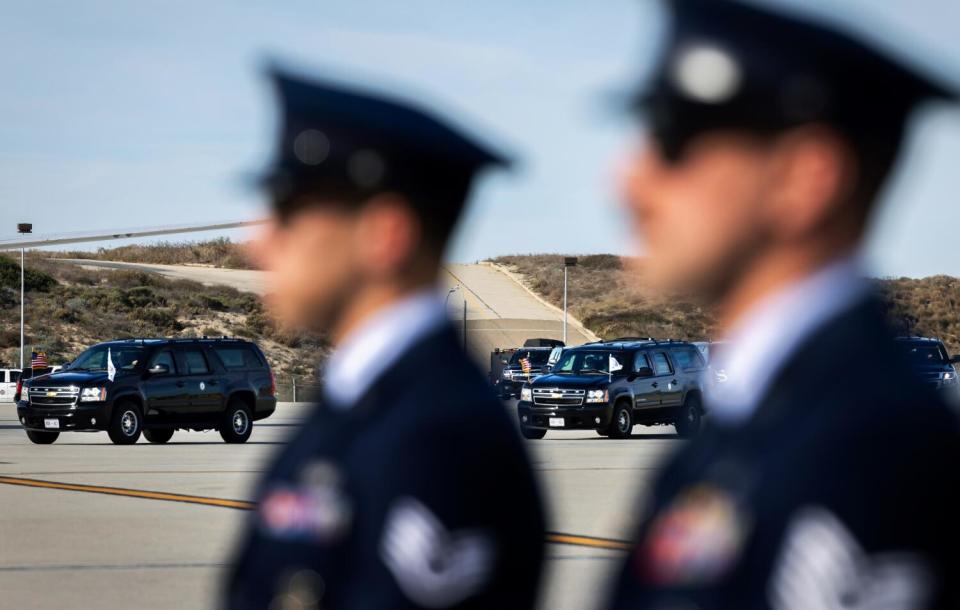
128	423
240	422
623	421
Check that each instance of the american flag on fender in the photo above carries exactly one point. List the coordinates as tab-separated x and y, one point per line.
38	360
525	366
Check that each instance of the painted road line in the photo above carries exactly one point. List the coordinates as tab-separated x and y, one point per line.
128	493
551	537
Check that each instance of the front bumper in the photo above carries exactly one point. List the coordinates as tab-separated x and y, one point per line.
574	418
91	416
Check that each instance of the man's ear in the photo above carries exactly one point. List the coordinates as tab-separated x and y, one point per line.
388	234
813	174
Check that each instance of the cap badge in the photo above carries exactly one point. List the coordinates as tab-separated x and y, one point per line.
706	73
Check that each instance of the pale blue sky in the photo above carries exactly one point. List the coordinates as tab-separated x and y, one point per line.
127	114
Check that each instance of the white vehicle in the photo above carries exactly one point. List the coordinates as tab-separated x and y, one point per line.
8	384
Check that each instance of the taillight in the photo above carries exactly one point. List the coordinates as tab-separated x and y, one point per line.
273	384
19	386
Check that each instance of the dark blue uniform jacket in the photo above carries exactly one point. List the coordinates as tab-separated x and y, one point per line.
840	492
420	495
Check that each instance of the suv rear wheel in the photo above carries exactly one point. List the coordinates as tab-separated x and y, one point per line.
689	417
622	424
159	436
42	438
126	425
236	425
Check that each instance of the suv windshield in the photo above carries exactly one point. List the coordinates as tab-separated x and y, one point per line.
537	357
587	362
927	352
124	357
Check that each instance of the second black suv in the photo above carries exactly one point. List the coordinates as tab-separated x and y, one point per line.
153	386
524	364
613	386
929	360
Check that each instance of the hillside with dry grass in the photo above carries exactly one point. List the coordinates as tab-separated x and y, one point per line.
68	308
219	252
603	295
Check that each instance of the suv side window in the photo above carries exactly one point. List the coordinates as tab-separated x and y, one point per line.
641	361
688	358
661	365
196	362
14	376
164	357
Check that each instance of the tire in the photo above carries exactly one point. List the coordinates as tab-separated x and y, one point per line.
126	424
158	436
622	424
689	418
236	425
532	434
42	438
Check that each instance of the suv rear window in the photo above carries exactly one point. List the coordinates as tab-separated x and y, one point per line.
688	358
238	358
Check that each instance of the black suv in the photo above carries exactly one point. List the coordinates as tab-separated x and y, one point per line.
612	386
158	386
928	358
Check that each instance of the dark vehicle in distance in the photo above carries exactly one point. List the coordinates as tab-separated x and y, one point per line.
612	386
929	360
513	375
158	386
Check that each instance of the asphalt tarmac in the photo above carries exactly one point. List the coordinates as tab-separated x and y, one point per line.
84	523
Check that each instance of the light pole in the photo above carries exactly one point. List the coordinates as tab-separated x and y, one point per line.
569	261
449	292
22	228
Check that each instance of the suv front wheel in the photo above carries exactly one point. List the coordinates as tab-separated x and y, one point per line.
236	425
622	424
126	425
688	418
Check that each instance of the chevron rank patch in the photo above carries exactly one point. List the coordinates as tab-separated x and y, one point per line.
434	567
822	565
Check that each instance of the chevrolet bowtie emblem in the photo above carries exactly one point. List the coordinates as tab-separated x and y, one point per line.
51	393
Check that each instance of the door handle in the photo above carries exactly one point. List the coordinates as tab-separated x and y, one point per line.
655	384
674	382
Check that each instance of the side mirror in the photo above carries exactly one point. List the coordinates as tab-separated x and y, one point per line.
643	372
159	369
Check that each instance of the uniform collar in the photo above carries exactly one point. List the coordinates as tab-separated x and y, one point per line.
372	348
765	339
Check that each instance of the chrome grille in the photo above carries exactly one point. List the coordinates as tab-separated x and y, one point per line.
63	396
932	378
557	397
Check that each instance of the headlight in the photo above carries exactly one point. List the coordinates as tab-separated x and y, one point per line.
950	377
526	394
93	394
597	396
507	374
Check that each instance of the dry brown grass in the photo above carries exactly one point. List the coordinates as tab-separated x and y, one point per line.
219	252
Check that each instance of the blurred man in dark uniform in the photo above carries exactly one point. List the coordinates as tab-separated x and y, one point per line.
829	476
408	487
